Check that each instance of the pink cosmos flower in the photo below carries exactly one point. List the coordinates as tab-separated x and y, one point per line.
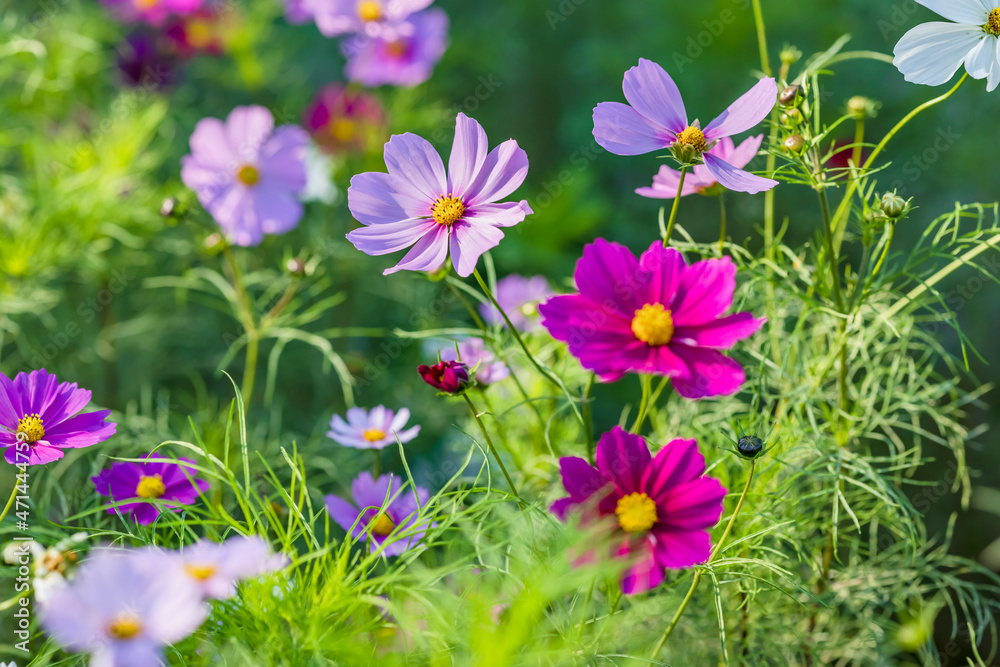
404	57
215	568
519	297
451	377
37	418
247	174
341	119
164	479
298	12
366	17
376	429
419	203
700	180
475	355
123	610
657	120
661	508
653	315
153	12
380	508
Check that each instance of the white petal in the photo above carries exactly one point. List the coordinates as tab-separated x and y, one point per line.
980	60
991	4
931	53
959	11
994	77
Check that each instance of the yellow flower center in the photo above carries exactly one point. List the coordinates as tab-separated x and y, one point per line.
343	130
198	33
382	525
992	26
373	435
636	513
150	486
125	626
30	429
694	138
446	209
248	175
653	324
201	572
146	4
370	11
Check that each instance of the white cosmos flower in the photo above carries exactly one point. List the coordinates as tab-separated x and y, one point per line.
931	53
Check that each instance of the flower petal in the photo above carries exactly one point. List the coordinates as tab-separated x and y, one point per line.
979	63
609	275
694	505
959	11
665	268
623	457
413	161
651	92
736	179
468	154
679	462
469	242
647	572
505	214
620	129
370	200
931	53
746	112
428	254
722	333
580	479
711	373
678	550
705	293
247	129
503	171
391	237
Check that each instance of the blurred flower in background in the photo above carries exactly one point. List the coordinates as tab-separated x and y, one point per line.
407	58
153	12
343	119
380	508
519	297
375	429
366	17
166	480
216	567
700	180
474	354
202	32
144	61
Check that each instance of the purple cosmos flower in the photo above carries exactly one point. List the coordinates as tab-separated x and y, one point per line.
215	568
162	479
475	355
380	508
653	315
142	62
367	17
372	430
657	119
247	174
519	297
662	507
153	12
298	11
122	610
342	119
417	202
451	377
404	57
37	418
700	180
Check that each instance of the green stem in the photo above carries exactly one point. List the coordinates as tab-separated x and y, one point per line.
493	450
250	368
673	210
647	383
698	575
377	464
588	423
885	252
758	19
722	225
468	306
859	139
831	252
10	502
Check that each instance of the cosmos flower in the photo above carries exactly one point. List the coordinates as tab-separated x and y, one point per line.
380	508
153	12
653	315
932	52
519	297
341	119
247	173
451	377
142	62
298	12
657	120
418	202
203	31
660	508
369	18
700	180
405	57
376	429
215	568
37	418
161	479
122	610
475	355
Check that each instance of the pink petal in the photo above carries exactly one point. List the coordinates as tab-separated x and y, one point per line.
506	214
678	462
274	209
736	179
620	129
503	171
413	161
623	457
608	274
370	200
468	154
711	373
469	242
390	237
210	145
678	550
695	505
705	292
750	109
665	268
428	254
651	92
722	333
647	573
282	158
247	128
740	156
580	479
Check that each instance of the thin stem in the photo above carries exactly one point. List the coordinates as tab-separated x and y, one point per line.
758	19
250	368
377	464
885	252
673	210
493	450
698	575
859	138
722	223
831	252
10	502
588	424
646	381
472	311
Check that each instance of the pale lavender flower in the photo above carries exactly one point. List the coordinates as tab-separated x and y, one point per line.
519	297
215	568
375	429
405	57
475	355
367	17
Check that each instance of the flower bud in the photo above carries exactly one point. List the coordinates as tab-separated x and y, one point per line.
296	266
790	55
893	206
790	96
169	208
450	377
857	107
792	118
795	143
750	446
215	243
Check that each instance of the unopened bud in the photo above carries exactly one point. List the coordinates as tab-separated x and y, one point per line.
790	96
859	107
296	267
169	207
215	243
750	446
790	55
893	206
795	143
792	117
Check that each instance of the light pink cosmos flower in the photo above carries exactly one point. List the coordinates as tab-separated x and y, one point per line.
215	568
374	429
700	180
657	120
405	57
247	173
419	204
366	17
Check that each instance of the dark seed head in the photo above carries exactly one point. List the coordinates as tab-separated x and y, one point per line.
790	96
750	446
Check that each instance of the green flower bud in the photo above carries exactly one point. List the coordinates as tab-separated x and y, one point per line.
790	55
795	143
893	206
792	117
790	96
296	267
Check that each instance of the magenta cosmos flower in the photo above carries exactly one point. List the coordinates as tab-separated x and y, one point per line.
153	12
376	429
215	568
474	354
381	507
123	610
404	57
248	174
166	480
37	418
341	119
653	315
419	203
657	120
661	507
370	18
700	180
450	377
519	297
